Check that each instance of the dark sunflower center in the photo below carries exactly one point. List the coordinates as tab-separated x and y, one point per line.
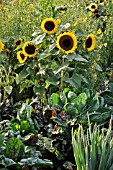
101	1
49	25
18	42
30	49
93	7
88	42
22	56
8	53
66	42
96	11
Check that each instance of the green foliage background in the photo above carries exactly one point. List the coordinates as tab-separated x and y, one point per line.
52	92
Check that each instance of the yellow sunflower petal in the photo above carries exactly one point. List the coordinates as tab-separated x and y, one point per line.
1	46
21	57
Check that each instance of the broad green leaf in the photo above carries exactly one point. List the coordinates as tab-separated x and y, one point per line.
80	58
36	33
29	110
99	117
63	98
52	79
43	55
15	126
40	90
19	46
66	90
8	89
37	162
1	140
54	99
61	68
76	57
14	148
51	47
74	82
110	86
81	100
9	162
21	76
71	95
97	67
39	39
24	126
71	109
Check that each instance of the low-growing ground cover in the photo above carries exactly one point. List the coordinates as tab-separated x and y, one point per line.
55	73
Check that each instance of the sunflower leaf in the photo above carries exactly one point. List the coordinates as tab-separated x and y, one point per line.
39	39
79	58
63	67
8	89
19	46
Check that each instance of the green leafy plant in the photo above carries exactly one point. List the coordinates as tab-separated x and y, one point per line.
93	148
77	103
15	155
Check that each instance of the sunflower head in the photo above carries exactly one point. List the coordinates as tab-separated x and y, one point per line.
8	53
29	49
99	31
49	25
67	42
31	5
96	13
90	42
21	56
18	42
101	1
92	7
1	46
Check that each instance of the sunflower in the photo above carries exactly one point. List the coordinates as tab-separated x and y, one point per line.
1	46
99	31
49	25
90	42
92	7
67	42
8	53
18	42
101	1
29	49
21	57
31	5
96	13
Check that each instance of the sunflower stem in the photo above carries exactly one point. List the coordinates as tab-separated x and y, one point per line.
62	76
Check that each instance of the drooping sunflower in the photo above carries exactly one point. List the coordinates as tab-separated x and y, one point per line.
49	25
29	49
21	57
90	42
92	7
18	42
1	46
8	53
96	13
67	42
